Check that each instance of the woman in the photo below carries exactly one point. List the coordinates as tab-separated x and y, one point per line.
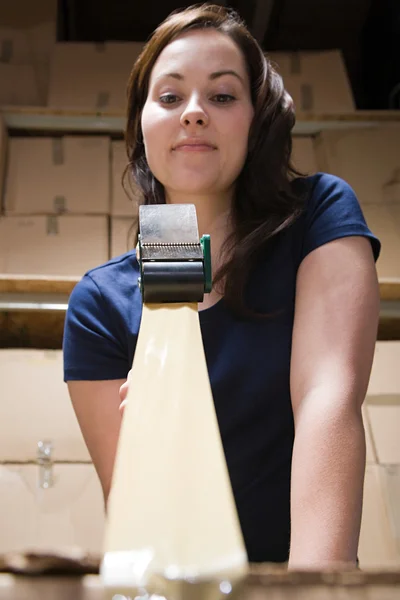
290	325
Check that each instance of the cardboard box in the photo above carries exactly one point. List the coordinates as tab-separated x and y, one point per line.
3	158
317	81
69	174
100	73
36	407
19	85
27	45
303	155
15	46
385	374
69	513
122	235
122	202
384	417
383	402
51	245
384	222
377	546
371	457
42	38
392	494
25	14
368	159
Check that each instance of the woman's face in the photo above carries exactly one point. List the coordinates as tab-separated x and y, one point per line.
197	114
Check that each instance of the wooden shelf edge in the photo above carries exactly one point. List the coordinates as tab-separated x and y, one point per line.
44	284
42	118
390	289
37	284
259	578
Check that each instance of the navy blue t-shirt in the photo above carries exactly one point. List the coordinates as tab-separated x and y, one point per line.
248	361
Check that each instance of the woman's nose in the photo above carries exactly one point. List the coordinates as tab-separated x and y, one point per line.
194	114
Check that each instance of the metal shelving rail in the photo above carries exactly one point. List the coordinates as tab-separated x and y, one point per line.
32	309
43	119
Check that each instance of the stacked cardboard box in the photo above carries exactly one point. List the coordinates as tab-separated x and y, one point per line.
65	207
369	160
100	73
50	495
380	530
317	81
56	205
124	195
303	155
27	37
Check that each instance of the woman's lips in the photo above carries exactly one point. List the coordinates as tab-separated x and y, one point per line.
194	148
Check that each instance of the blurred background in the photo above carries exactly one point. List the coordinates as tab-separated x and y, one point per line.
64	66
366	31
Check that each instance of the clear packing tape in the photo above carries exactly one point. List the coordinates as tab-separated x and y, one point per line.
172	525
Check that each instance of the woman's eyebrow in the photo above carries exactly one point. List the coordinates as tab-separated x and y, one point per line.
212	76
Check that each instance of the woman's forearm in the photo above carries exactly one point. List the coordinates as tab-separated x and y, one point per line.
327	484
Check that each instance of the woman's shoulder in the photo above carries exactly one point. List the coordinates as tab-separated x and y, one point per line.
114	282
116	270
319	184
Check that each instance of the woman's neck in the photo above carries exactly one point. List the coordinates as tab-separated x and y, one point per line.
213	212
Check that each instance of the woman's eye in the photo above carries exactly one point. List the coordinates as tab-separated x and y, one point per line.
168	98
223	98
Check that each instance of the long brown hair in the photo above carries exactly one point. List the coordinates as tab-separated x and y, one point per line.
265	203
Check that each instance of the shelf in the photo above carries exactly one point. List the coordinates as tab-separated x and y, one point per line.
29	288
390	289
27	293
51	120
32	310
56	121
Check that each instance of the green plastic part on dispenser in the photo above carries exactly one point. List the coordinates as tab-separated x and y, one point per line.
205	242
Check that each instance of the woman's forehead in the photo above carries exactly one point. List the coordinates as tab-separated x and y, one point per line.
204	50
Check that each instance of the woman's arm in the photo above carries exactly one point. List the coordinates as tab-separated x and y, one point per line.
336	319
96	405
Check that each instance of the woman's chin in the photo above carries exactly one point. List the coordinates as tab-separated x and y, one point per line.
195	188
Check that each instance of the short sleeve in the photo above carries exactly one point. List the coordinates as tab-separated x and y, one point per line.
334	212
91	348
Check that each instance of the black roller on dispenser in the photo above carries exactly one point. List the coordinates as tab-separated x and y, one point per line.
173	281
175	265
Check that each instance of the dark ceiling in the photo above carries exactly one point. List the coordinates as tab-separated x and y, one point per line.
367	32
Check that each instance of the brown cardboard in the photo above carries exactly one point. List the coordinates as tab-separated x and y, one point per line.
67	514
384	418
303	155
50	245
267	582
27	45
391	475
377	546
3	158
383	402
122	235
368	159
385	373
42	38
23	14
100	73
36	407
317	81
69	174
121	200
15	46
371	457
384	221
19	85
